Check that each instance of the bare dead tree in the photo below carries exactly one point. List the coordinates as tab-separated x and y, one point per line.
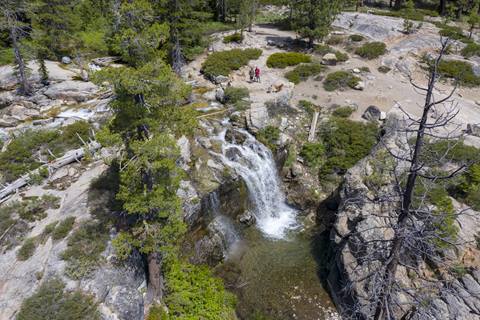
12	9
413	232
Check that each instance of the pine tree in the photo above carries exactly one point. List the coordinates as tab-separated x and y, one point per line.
11	20
54	24
312	19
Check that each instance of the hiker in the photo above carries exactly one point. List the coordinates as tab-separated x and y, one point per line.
252	74
257	74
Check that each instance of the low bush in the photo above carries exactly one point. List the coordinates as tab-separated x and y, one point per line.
235	94
364	69
472	49
340	80
313	154
63	228
335	40
223	62
34	208
287	59
84	249
234	37
371	50
346	142
27	249
461	71
384	69
343	112
51	302
194	293
341	56
269	137
356	38
303	72
323	49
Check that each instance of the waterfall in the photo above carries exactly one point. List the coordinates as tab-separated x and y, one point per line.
254	163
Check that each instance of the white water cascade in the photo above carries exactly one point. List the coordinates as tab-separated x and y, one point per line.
254	163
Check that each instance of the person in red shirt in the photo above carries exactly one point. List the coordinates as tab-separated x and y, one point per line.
257	74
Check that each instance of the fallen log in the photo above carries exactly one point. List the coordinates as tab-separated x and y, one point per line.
67	158
313	127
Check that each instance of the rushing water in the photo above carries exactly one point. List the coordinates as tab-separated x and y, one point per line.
254	163
271	267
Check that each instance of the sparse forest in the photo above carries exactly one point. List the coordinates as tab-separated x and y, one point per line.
226	159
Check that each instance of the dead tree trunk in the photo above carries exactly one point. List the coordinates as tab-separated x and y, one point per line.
382	310
155	278
25	88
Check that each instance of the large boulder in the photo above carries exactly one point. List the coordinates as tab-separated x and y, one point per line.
329	59
372	113
72	91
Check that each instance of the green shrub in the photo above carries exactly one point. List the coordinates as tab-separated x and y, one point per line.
6	56
303	72
472	49
384	69
51	302
234	37
346	142
269	136
194	293
460	70
84	249
63	228
27	249
323	49
356	38
364	69
313	153
287	59
235	94
343	112
371	50
340	80
341	56
223	62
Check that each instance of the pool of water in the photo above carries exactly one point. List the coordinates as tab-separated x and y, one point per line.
277	278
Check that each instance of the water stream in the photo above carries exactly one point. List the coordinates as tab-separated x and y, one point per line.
271	267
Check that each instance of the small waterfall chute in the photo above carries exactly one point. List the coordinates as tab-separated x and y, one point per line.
255	164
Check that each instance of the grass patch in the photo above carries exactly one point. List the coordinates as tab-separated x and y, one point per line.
234	37
323	49
84	249
51	302
22	153
27	249
287	59
371	50
308	106
452	32
269	137
335	40
34	208
63	228
303	72
340	80
223	62
472	49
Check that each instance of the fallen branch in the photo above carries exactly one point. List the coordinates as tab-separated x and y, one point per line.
313	127
67	158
